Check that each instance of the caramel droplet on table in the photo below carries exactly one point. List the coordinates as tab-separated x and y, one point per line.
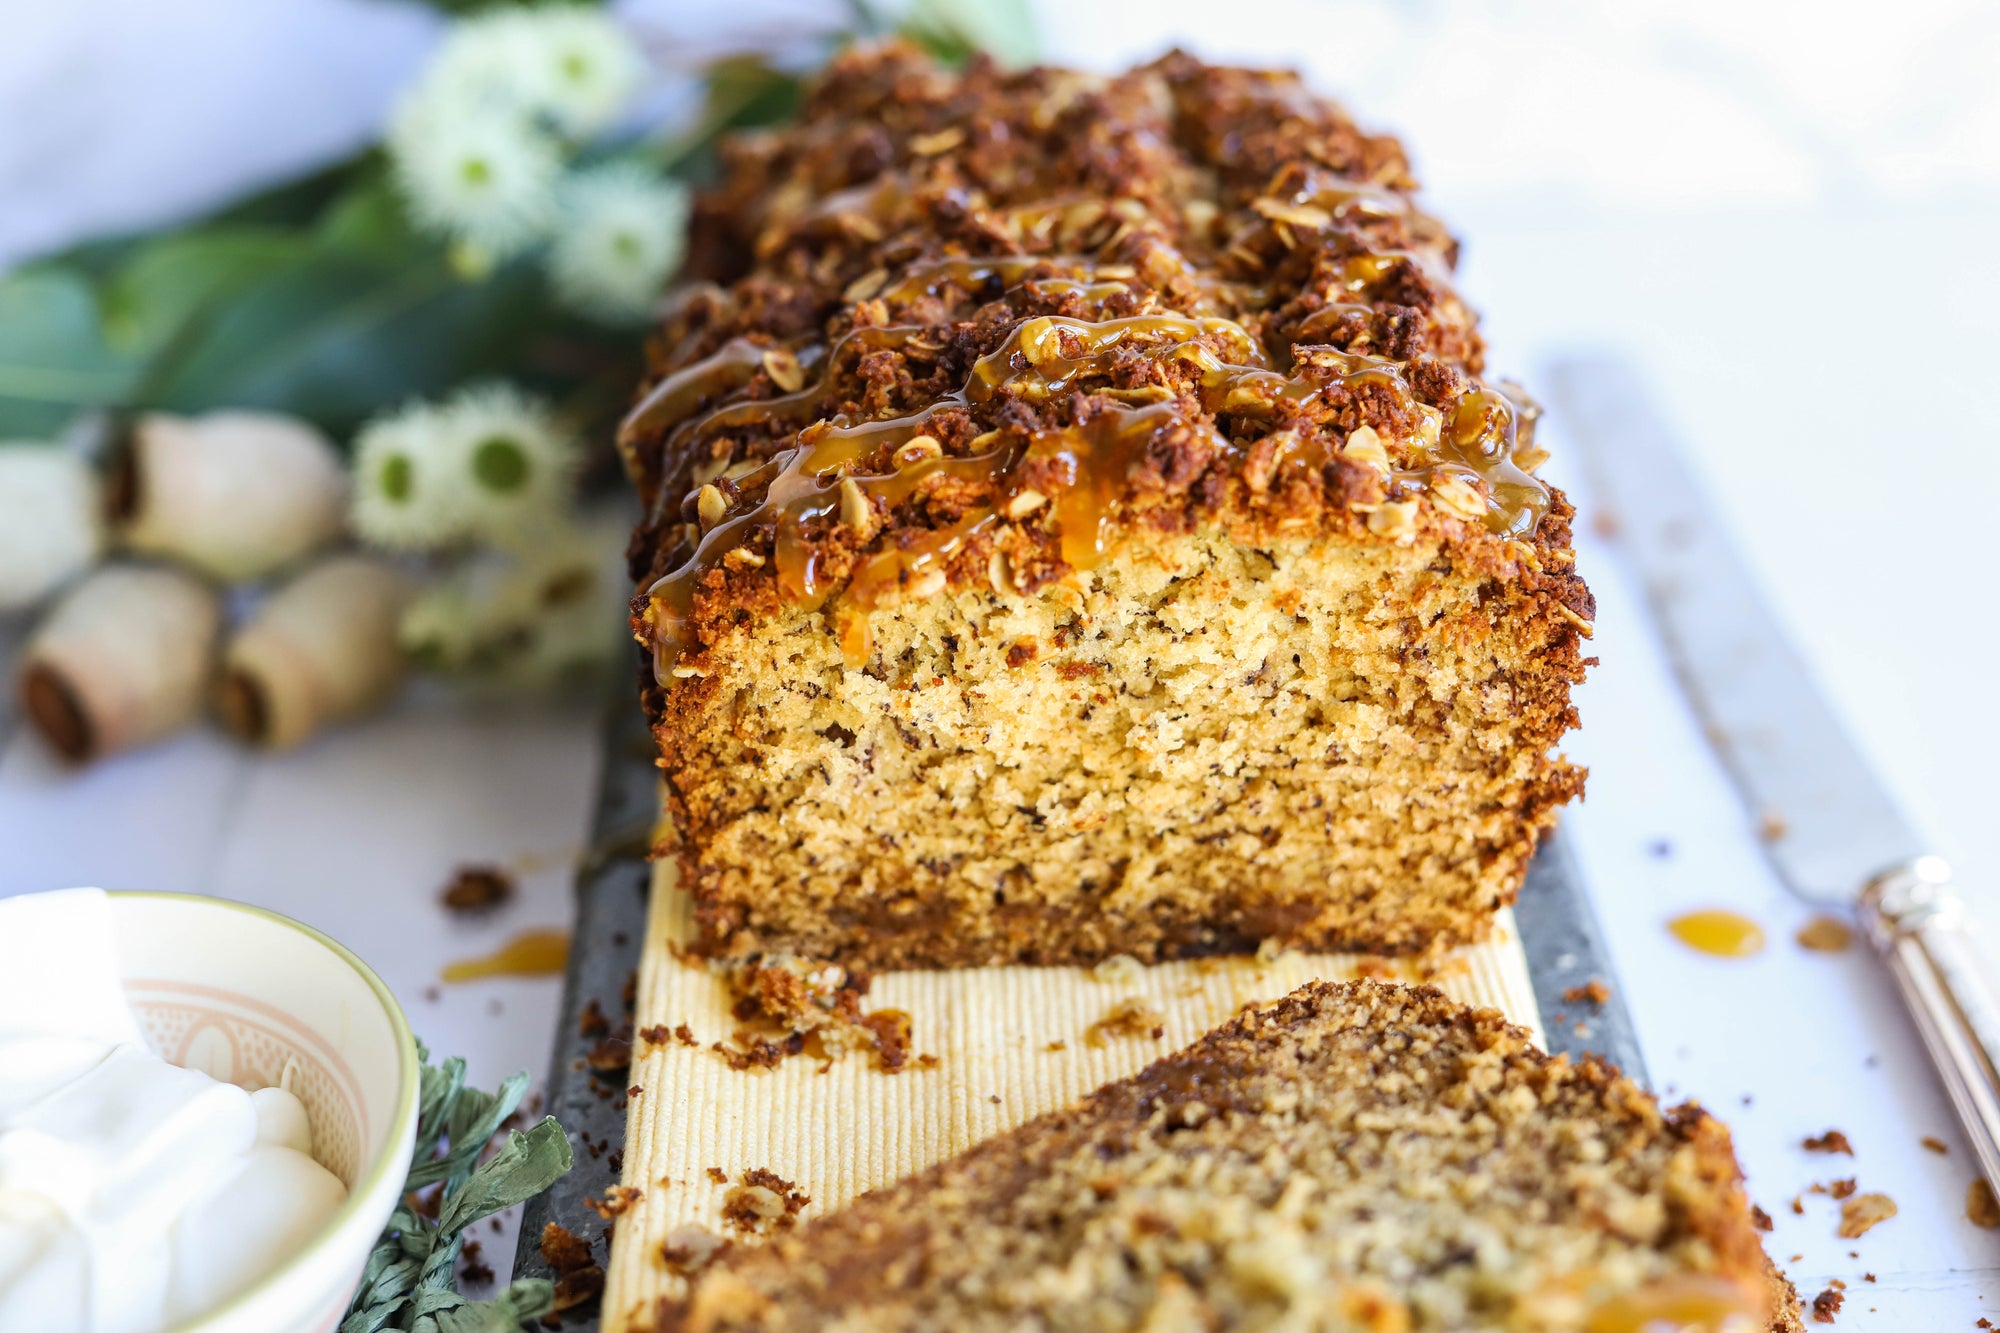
1723	934
1825	934
533	953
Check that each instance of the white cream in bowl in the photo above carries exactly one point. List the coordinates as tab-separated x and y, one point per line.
138	1194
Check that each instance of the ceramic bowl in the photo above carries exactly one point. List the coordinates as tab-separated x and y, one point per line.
260	1000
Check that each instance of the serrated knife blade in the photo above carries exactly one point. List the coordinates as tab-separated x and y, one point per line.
1833	834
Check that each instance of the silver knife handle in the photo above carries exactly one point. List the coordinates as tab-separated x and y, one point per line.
1916	921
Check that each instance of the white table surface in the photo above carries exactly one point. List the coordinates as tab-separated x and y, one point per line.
1824	347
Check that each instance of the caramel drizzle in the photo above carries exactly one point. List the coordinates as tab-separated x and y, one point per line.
1041	358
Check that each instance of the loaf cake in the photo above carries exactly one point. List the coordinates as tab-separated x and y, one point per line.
1076	526
1356	1156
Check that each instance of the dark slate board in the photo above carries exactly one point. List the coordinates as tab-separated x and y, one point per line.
1564	943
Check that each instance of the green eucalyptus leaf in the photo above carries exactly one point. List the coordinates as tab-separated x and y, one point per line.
529	1164
339	335
407	1286
165	287
368	219
53	356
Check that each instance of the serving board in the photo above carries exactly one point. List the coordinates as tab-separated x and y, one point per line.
1552	927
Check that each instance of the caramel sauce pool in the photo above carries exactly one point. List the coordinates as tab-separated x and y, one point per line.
532	953
1718	933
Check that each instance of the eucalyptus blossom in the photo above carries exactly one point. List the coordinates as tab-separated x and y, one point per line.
622	234
405	494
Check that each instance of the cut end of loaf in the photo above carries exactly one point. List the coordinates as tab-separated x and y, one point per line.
1200	746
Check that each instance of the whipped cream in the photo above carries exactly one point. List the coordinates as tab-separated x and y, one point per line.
134	1194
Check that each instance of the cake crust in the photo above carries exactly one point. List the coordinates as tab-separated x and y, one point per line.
1356	1156
1001	375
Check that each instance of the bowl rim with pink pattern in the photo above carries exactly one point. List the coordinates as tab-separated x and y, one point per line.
211	966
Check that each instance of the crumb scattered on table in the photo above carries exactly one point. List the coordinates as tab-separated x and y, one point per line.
1826	1305
1864	1212
1832	1141
475	890
1935	1144
1981	1209
1825	934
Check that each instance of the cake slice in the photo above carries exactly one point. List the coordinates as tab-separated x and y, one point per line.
1077	526
1355	1157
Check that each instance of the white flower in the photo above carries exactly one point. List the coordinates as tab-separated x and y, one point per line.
50	528
486	177
405	498
568	68
507	459
590	68
623	233
473	619
486	64
526	618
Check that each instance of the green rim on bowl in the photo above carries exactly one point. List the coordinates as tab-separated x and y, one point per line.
386	1162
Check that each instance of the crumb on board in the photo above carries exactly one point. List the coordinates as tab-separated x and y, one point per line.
794	1006
474	890
1839	1189
1130	1017
617	1200
1760	1219
1826	1305
764	1202
1833	1141
1935	1144
610	1054
579	1278
1864	1212
689	1248
718	1175
1593	991
592	1022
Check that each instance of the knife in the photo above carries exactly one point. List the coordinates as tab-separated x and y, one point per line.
1835	837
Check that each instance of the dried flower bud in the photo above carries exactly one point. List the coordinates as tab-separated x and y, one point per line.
322	649
238	495
123	659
